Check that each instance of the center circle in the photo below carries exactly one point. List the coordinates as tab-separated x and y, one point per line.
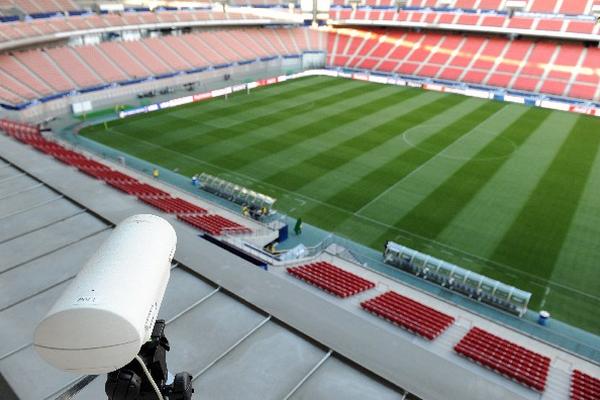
503	147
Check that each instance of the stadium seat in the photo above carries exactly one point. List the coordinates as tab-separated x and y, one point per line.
214	224
409	314
137	189
141	54
40	64
536	66
11	66
38	7
331	279
194	215
66	58
509	359
64	24
109	176
172	205
124	59
38	73
584	386
96	59
573	7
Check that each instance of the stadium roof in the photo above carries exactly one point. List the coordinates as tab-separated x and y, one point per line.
233	349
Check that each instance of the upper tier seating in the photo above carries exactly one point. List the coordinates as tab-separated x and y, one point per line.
38	6
584	386
536	25
525	65
33	74
409	314
42	27
196	216
331	279
568	7
509	359
259	3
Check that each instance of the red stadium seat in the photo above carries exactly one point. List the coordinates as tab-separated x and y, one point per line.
409	314
173	205
507	358
331	279
584	386
214	224
110	176
36	73
538	65
137	189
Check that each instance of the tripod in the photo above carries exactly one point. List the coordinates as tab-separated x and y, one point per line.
145	377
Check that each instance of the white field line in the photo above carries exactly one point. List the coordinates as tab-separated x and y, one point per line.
374	221
416	170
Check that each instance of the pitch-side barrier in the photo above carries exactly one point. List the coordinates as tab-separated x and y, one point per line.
531	99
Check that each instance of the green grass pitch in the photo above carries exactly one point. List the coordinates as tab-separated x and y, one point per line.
510	191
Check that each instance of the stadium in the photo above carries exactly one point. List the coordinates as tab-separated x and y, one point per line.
373	199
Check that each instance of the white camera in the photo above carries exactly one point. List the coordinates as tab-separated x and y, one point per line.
108	311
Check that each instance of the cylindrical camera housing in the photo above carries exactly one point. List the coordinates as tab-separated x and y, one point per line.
108	311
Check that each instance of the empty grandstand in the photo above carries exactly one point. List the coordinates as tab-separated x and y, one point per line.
568	70
373	198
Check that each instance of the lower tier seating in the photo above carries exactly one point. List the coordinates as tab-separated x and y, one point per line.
332	279
194	215
584	386
39	73
507	358
173	205
214	224
409	314
17	129
138	189
88	165
110	176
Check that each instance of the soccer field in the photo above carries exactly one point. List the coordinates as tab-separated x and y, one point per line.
509	191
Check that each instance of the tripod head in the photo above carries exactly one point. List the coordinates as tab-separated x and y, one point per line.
132	383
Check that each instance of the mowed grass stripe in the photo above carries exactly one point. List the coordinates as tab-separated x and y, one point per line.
162	128
220	135
316	128
491	212
308	170
581	244
248	114
434	213
268	165
535	238
261	96
219	107
478	227
238	111
272	135
380	179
